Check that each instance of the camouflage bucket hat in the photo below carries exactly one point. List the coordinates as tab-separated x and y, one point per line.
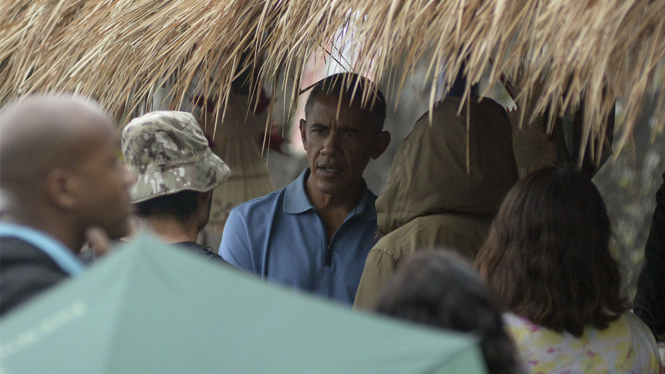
168	153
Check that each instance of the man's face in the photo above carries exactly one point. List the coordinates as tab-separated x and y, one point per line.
339	146
104	199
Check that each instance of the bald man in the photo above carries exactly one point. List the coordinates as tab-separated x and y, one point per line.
60	166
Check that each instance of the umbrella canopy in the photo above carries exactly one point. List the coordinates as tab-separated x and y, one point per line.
154	309
120	51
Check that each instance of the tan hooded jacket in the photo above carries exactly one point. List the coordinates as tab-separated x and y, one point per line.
444	188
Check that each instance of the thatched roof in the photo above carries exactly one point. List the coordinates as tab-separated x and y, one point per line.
120	50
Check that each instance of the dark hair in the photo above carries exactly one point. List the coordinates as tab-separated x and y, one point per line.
438	288
180	205
548	257
351	87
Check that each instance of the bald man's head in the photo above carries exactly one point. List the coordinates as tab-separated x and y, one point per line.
58	155
36	135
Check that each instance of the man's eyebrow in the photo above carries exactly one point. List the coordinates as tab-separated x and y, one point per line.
320	125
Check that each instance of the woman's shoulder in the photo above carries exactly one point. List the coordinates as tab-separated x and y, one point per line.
636	324
626	345
628	326
529	334
630	343
643	338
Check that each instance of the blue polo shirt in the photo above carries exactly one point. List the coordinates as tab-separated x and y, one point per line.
280	237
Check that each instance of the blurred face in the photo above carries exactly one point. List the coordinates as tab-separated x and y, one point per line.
103	196
339	146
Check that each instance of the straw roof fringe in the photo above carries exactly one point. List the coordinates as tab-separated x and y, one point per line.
120	50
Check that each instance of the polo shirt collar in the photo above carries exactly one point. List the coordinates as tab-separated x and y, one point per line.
295	196
57	251
296	200
366	210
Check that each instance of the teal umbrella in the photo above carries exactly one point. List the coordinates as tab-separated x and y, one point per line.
150	308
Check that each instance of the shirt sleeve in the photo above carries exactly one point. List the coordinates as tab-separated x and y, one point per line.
379	268
235	245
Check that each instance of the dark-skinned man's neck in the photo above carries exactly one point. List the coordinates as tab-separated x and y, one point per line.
323	202
171	230
57	228
333	210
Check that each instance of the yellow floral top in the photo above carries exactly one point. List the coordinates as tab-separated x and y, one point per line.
627	346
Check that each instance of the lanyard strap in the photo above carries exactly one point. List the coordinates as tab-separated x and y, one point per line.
47	244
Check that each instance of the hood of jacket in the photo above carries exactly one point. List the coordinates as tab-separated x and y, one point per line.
451	166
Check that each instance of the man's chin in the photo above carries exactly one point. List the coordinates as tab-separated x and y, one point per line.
119	231
334	186
333	189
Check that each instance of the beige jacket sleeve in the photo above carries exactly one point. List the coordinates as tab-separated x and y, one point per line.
379	268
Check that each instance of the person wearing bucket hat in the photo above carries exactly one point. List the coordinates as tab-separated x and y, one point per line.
175	174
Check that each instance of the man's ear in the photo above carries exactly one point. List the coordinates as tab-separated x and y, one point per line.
303	132
204	198
204	202
382	142
61	187
204	208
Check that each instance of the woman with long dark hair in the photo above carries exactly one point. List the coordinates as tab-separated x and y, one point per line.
548	259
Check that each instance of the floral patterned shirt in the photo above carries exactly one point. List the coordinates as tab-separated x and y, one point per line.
627	346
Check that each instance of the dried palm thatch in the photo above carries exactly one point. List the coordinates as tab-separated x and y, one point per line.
121	50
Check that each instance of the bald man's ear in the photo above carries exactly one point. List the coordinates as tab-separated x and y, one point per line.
381	144
61	187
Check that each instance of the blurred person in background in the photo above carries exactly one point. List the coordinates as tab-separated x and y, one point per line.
444	188
439	288
60	165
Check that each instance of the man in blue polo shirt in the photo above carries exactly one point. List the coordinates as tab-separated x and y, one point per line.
61	170
315	234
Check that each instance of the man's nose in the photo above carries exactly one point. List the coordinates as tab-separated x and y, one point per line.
330	145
